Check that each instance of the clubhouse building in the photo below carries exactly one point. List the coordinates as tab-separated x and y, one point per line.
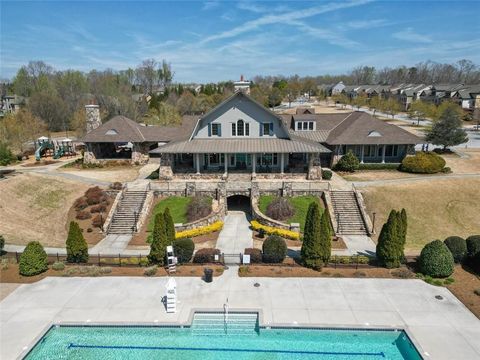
240	135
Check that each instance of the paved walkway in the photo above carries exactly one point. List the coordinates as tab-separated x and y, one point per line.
236	234
444	329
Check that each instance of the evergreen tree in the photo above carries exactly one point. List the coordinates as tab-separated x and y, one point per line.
311	251
159	243
325	237
77	248
169	226
403	219
388	246
447	130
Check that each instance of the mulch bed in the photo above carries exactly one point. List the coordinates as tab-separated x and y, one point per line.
11	275
466	282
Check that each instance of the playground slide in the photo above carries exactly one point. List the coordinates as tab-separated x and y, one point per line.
59	153
41	149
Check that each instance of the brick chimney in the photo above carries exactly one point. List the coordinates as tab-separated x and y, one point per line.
93	120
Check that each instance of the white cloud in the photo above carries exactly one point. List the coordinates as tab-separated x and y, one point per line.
207	5
410	35
366	24
272	19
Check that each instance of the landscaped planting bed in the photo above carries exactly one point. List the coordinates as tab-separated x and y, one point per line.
299	203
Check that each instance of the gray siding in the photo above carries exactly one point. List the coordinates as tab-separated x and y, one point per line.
237	109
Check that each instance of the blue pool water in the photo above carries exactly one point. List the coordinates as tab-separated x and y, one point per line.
149	342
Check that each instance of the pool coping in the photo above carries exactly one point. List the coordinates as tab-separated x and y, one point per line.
188	323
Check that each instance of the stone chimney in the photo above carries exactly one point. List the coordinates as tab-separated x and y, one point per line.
93	120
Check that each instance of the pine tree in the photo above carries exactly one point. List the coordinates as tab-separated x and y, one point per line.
169	226
447	130
325	237
388	247
159	243
311	251
77	248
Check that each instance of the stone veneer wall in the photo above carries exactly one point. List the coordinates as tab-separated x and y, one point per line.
145	209
314	168
106	224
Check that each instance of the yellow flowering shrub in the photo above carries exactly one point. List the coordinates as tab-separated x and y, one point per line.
216	226
270	230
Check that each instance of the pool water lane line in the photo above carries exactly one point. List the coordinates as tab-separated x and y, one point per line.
300	352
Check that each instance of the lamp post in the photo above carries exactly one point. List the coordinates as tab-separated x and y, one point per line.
373	222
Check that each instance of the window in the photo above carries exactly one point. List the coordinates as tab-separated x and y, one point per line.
111	132
391	150
241	128
310	125
216	129
305	125
299	125
266	129
267	159
214	159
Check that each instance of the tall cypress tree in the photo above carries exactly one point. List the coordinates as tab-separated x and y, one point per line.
159	243
169	226
403	232
311	251
388	253
77	248
325	237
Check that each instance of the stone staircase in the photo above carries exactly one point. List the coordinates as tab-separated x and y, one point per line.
347	213
127	212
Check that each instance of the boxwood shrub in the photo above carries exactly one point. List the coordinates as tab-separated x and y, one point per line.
255	255
274	249
33	260
326	174
183	249
379	166
204	256
436	260
423	163
458	247
473	246
348	162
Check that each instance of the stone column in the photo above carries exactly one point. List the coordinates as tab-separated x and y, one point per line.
197	163
383	153
282	163
363	151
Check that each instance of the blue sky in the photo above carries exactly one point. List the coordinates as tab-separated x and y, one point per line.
219	40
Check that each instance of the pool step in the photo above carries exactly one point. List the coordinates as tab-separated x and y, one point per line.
207	324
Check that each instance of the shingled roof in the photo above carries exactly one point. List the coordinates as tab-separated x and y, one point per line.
122	129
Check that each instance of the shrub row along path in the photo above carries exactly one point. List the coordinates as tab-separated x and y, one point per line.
236	234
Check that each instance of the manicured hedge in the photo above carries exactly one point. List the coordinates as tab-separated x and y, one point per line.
255	255
204	256
379	166
183	249
458	248
274	249
216	226
326	174
473	246
423	163
270	230
33	260
436	260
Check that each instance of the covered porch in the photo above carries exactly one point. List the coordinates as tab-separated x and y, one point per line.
378	153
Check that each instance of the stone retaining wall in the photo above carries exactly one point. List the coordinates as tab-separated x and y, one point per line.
109	218
217	214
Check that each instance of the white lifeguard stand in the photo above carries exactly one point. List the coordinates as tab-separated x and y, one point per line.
171	260
171	287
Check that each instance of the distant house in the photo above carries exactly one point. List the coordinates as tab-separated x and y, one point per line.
242	85
10	104
337	88
467	97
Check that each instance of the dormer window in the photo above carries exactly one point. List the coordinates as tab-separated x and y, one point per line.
111	132
305	125
374	133
266	129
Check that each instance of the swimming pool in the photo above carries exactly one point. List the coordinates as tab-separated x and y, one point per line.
169	342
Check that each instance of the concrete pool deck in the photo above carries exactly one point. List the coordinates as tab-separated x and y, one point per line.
444	329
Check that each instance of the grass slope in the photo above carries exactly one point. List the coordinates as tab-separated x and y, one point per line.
299	203
178	209
436	209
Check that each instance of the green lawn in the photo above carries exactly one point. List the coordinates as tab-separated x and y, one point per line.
299	203
178	209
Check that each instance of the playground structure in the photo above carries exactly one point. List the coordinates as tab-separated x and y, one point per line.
54	148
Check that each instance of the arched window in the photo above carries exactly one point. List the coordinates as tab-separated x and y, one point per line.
240	128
